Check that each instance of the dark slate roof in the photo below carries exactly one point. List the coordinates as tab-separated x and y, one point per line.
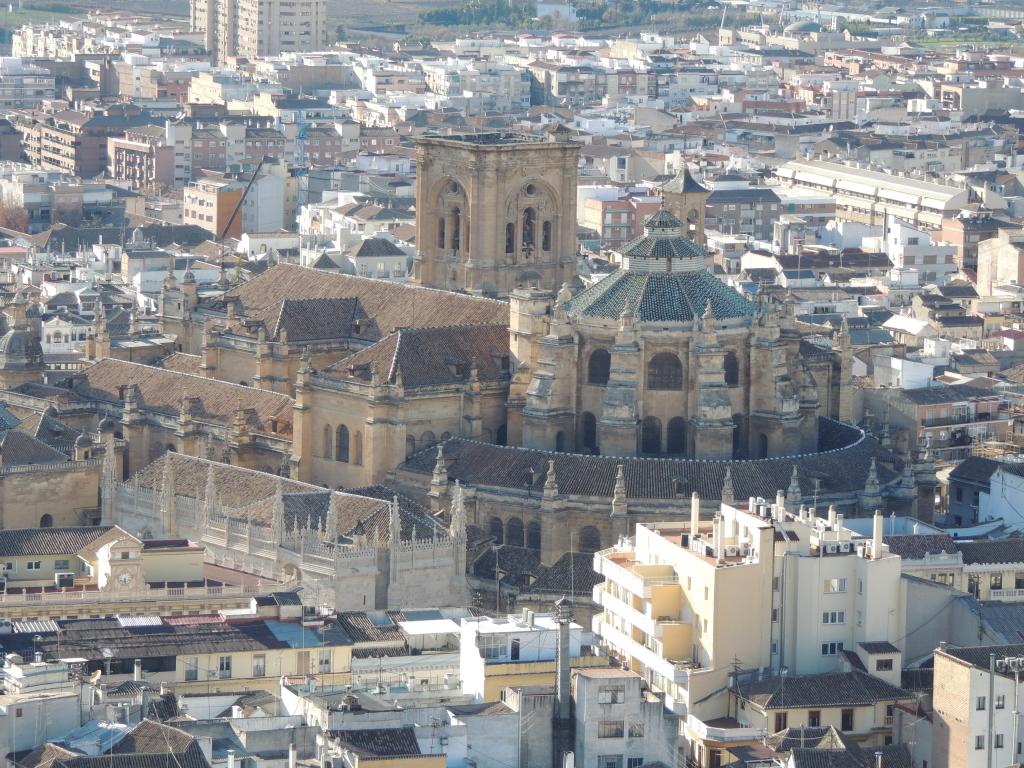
659	297
841	466
372	247
380	742
997	551
916	546
945	394
1002	621
519	564
832	689
974	469
879	646
683	183
978	655
15	542
572	574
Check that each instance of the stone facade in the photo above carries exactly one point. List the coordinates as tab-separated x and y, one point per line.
495	212
661	358
350	551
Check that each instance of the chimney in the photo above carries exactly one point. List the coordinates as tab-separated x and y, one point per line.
292	756
780	505
563	725
831	515
137	671
878	525
231	758
694	514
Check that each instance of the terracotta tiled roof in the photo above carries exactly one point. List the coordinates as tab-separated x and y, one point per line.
305	320
162	391
18	448
386	305
182	363
426	357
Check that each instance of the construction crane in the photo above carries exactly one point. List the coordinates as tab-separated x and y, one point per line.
234	213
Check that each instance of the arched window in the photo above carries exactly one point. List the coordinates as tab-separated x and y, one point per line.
664	371
546	236
762	446
514	532
529	227
560	442
46	521
427	439
675	440
501	438
650	436
732	369
510	238
599	367
533	536
341	444
456	229
49	338
328	441
588	431
445	436
171	448
440	232
410	446
497	530
590	539
357	449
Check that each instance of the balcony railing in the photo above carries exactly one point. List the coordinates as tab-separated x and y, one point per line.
1006	594
73	595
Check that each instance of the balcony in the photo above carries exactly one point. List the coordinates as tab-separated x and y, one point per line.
723	730
1008	595
619	566
677	671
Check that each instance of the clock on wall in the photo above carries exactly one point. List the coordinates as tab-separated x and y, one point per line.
125	579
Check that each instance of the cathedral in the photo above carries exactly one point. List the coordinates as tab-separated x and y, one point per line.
554	414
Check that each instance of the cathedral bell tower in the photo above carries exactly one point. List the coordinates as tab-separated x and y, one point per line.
496	212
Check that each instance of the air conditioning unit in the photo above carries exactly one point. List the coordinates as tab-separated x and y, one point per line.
732	551
845	546
831	548
64	579
745	550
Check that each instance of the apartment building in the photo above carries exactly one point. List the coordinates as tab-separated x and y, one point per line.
975	706
210	202
251	28
23	84
60	139
764	589
142	157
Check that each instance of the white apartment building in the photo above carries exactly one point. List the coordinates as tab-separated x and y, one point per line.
910	247
761	588
23	84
